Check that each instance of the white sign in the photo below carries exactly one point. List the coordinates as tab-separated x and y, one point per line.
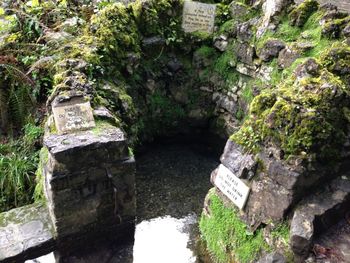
232	186
198	17
75	114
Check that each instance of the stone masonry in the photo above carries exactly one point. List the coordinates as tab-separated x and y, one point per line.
90	184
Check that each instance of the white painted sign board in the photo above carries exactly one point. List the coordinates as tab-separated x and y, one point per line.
75	114
232	186
198	17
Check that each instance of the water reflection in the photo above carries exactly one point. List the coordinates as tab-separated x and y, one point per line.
164	239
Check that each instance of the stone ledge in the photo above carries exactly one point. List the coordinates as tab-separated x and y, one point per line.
25	233
85	148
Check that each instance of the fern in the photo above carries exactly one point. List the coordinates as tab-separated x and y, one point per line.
16	100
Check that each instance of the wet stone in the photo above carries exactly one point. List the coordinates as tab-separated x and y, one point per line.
25	233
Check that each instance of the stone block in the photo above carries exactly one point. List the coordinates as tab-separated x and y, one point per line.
94	185
25	233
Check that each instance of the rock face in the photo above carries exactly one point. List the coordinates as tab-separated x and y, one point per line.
25	233
90	183
271	8
275	184
270	49
317	213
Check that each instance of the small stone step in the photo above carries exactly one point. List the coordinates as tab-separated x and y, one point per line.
25	233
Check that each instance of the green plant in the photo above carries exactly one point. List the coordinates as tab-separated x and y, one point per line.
227	237
18	163
16	100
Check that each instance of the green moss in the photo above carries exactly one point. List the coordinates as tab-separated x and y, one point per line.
298	117
225	66
302	12
159	17
101	126
228	27
227	237
116	32
39	195
206	52
247	93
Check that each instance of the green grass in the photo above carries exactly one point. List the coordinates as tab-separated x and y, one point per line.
227	237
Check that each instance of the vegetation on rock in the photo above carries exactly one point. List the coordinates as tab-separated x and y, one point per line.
229	239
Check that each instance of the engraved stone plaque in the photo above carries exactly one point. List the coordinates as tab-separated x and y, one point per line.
198	17
75	114
232	186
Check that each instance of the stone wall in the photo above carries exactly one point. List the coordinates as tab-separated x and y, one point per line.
89	182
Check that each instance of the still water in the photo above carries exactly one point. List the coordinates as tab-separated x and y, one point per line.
172	181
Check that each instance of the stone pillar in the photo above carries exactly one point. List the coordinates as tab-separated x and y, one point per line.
90	184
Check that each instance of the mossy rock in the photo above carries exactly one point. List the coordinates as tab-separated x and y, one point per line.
301	116
302	12
116	32
228	239
337	60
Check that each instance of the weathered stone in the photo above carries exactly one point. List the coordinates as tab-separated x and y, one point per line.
270	49
317	213
238	10
271	9
243	165
287	56
274	257
268	201
103	113
25	232
245	69
90	182
198	17
245	53
302	12
245	31
73	114
224	102
153	41
264	73
307	69
346	31
198	118
221	43
179	94
305	46
71	25
87	148
72	64
57	38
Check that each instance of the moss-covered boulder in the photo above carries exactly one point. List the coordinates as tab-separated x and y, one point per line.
302	12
